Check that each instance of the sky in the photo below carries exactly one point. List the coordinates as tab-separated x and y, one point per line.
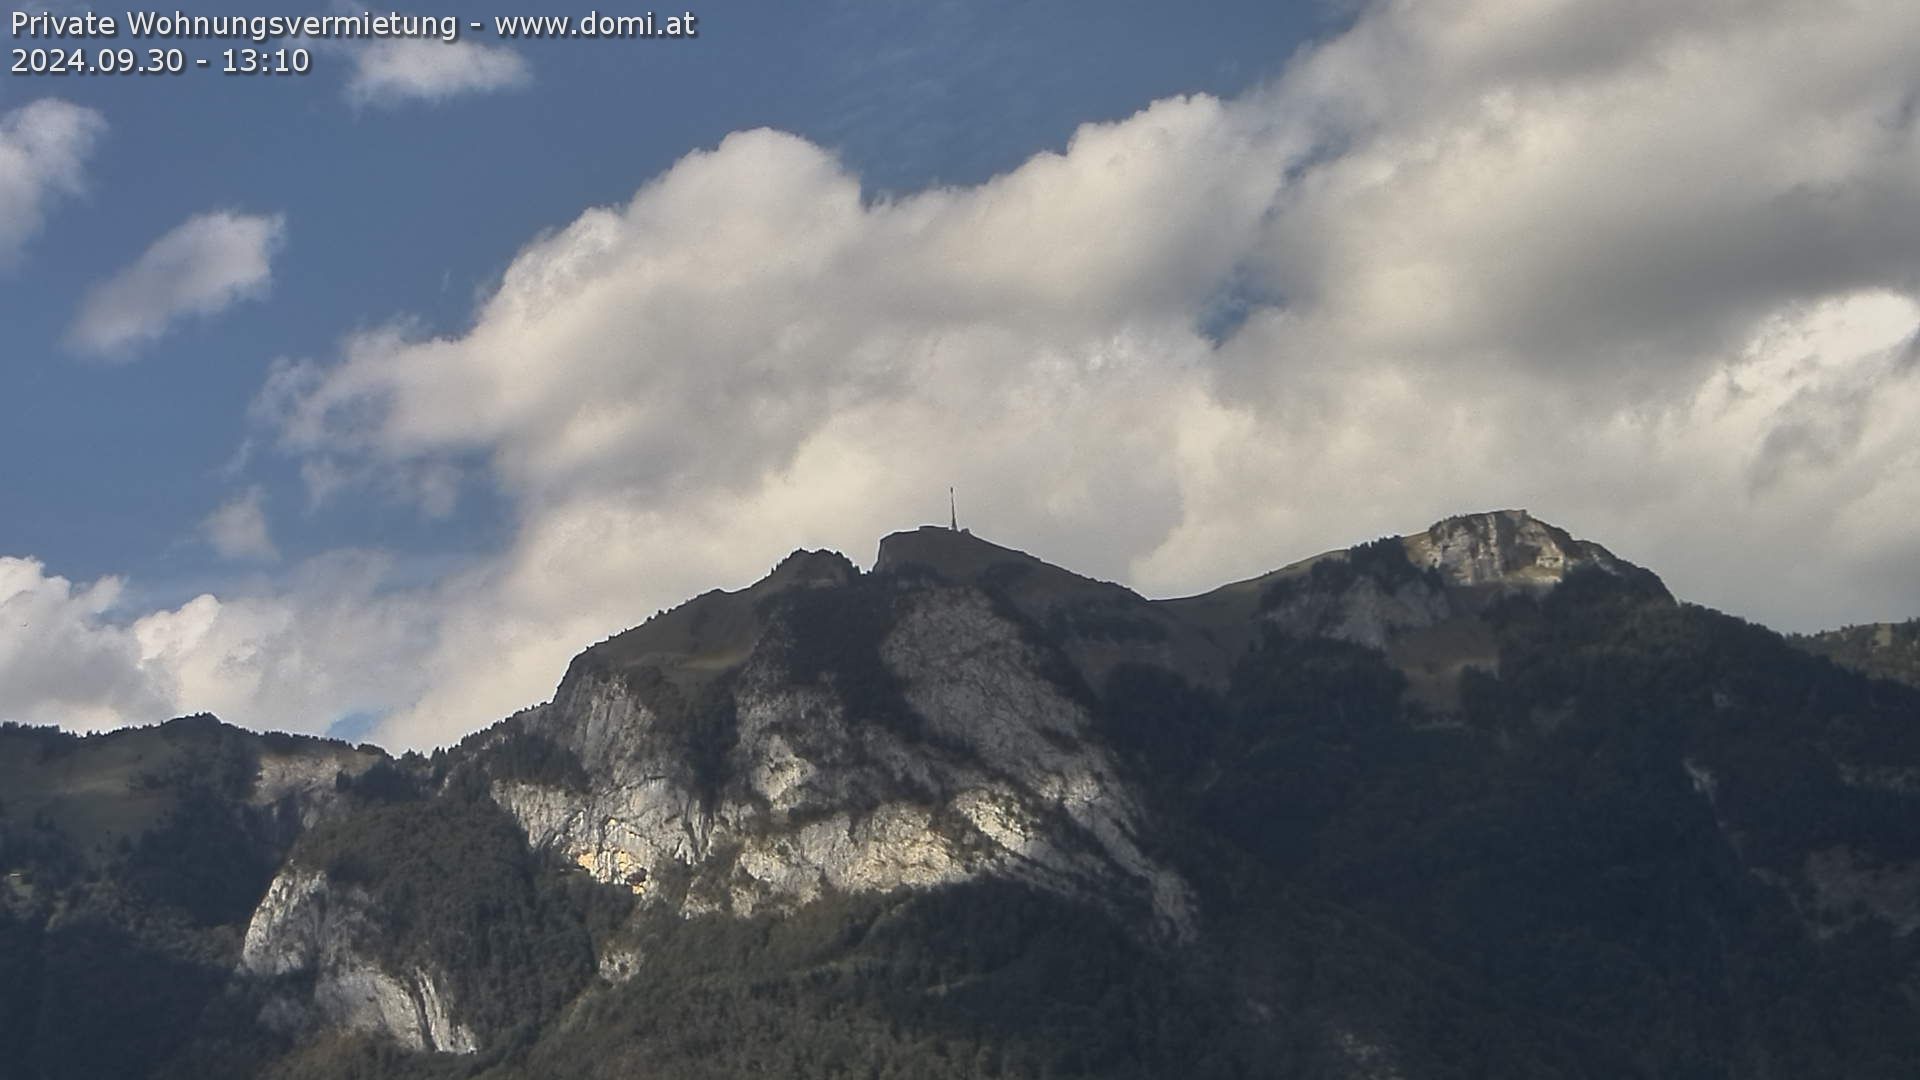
357	401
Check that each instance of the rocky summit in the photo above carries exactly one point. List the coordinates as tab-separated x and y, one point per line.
1482	800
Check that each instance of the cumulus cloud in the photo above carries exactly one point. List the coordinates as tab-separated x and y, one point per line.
201	267
44	147
1605	195
403	71
328	641
238	529
61	660
1652	272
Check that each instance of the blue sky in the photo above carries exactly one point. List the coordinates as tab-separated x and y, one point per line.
368	396
412	209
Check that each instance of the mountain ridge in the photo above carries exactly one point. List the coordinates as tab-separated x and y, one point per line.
1482	800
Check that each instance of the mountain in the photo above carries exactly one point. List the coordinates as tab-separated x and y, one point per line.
1882	650
1485	800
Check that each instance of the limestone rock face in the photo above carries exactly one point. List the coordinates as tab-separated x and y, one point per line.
306	925
941	746
300	787
1509	549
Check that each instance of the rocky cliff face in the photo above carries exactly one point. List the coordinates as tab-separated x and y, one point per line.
301	786
308	927
1507	549
944	747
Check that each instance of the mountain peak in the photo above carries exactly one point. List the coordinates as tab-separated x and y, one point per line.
716	629
808	569
1508	548
960	557
952	553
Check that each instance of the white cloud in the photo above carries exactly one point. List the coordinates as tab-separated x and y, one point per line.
201	267
61	660
1653	273
1493	254
44	147
330	640
406	70
238	529
1566	187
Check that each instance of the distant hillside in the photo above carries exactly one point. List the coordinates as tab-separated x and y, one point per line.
1882	650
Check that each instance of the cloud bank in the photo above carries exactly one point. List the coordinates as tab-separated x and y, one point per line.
325	642
1652	272
202	266
61	661
44	147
